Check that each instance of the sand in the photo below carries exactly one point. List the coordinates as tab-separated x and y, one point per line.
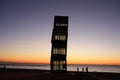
29	74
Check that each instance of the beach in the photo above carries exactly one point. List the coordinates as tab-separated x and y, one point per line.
31	74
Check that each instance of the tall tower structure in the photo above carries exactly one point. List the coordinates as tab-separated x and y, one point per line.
59	44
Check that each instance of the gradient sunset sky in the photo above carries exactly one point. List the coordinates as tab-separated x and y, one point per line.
26	29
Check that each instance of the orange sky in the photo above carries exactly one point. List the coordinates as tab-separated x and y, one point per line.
75	58
32	52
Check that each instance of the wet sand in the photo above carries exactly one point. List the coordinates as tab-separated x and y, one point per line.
29	74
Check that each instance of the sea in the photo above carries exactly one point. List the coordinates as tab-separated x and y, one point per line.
70	67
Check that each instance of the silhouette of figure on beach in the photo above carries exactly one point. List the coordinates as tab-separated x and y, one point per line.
77	69
86	69
4	67
82	69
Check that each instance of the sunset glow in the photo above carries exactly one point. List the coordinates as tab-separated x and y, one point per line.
93	31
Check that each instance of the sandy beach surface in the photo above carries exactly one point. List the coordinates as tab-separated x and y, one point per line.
29	74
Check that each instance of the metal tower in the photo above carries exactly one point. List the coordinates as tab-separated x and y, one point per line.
59	44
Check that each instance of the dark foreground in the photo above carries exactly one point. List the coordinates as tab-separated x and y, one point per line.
27	74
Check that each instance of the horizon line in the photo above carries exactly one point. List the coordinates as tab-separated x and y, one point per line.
49	63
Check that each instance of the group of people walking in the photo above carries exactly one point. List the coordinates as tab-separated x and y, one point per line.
83	70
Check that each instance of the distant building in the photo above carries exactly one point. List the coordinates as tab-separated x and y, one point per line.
59	44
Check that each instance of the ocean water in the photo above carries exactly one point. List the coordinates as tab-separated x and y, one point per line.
91	68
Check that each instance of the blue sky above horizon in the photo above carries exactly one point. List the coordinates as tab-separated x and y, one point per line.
94	30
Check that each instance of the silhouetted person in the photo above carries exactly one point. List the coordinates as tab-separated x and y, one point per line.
4	67
82	69
77	69
86	69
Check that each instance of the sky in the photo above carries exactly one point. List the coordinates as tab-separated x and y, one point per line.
93	31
